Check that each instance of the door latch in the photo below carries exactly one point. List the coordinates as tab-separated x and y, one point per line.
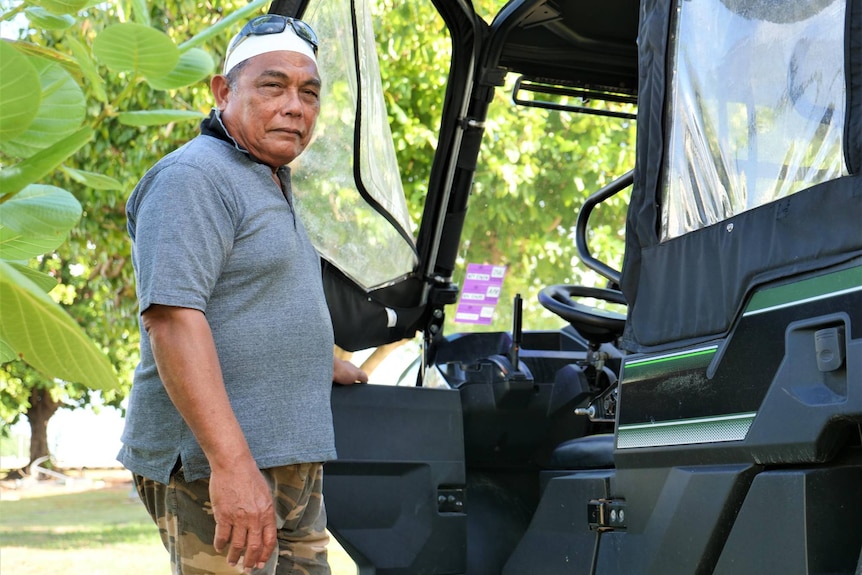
450	500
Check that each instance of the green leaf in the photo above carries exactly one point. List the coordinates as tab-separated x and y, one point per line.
15	245
192	67
61	6
130	47
141	12
61	112
41	18
43	335
36	220
15	178
88	69
6	352
222	25
45	281
92	179
19	92
35	51
40	210
157	117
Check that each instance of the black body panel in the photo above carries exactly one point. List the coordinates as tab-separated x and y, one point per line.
742	373
400	449
678	520
559	533
785	510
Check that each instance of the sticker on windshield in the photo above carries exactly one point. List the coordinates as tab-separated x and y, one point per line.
480	294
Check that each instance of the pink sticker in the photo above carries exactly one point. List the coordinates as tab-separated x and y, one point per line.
480	294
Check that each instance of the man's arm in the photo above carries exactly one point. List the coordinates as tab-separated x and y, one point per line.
187	361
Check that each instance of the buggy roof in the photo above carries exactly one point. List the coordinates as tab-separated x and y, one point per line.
569	42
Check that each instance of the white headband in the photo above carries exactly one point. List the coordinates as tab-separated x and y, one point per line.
254	45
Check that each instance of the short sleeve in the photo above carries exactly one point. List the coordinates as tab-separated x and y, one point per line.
182	233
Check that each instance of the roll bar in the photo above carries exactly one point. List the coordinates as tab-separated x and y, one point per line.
611	189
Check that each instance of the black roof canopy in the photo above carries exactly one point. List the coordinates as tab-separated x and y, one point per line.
569	42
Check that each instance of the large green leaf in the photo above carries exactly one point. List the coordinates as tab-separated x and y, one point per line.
6	352
15	178
61	6
43	335
45	282
92	179
36	51
157	117
41	210
19	92
222	25
36	220
141	12
88	68
192	67
61	112
16	245
130	47
41	18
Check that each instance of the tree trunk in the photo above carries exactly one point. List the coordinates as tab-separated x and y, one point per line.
42	407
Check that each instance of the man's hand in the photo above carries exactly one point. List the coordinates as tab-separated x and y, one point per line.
244	515
346	373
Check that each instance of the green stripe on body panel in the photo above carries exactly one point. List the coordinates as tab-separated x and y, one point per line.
827	285
648	367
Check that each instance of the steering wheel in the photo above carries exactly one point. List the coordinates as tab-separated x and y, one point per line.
597	325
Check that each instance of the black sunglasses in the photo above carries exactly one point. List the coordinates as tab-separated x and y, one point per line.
275	24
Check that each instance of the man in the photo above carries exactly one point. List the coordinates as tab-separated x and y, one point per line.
229	418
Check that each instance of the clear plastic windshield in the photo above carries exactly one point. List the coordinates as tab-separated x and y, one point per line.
370	248
757	108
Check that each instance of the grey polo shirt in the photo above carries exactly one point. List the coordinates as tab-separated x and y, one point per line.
212	231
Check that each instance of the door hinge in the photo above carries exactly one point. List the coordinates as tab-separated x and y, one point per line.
606	514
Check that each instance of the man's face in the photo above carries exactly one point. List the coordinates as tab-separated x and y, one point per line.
273	106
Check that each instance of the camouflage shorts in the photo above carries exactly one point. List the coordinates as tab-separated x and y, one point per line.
301	518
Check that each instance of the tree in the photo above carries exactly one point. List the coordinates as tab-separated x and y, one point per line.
79	92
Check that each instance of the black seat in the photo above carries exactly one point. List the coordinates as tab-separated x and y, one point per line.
589	452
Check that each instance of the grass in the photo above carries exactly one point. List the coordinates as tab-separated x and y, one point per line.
102	530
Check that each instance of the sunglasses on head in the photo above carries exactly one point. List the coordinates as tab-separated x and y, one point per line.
275	24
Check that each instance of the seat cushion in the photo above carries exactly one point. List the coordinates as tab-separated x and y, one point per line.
589	452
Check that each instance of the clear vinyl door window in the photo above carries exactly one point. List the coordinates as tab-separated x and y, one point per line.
370	248
756	106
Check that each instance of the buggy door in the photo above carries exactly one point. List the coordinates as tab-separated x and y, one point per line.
395	496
